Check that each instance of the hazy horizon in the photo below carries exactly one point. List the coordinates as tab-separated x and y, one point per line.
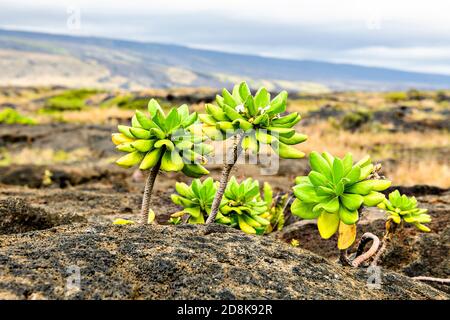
402	35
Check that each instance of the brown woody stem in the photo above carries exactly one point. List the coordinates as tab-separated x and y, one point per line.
360	256
148	192
237	148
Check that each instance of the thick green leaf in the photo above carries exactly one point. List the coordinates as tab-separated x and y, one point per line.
303	210
351	201
348	216
318	163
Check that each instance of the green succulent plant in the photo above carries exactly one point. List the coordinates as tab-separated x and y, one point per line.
275	208
161	142
333	193
403	208
196	199
243	207
257	117
252	121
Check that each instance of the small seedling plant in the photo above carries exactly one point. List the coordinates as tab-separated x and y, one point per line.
161	142
242	206
400	209
334	193
250	121
196	200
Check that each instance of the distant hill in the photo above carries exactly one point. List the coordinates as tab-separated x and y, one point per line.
28	58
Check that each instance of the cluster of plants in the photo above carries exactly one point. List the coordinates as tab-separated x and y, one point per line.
69	100
334	192
356	119
12	116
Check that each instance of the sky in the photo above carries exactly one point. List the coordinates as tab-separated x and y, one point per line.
409	35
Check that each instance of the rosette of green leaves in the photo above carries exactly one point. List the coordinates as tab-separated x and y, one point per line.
403	208
158	137
259	117
243	207
196	199
333	193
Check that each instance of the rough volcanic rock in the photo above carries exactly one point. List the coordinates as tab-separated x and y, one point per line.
180	262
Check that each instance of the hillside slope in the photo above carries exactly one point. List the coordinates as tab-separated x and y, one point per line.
35	58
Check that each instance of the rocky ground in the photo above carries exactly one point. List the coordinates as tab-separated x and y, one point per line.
180	262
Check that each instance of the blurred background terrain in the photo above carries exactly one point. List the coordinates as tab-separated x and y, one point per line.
369	79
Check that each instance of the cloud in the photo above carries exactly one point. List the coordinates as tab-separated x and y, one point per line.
402	34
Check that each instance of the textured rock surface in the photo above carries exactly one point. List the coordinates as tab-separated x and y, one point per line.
181	262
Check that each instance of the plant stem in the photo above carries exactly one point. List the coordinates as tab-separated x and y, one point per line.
440	280
390	230
369	253
237	148
381	251
343	258
148	192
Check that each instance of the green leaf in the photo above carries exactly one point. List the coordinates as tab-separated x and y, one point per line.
278	104
351	201
244	91
353	175
295	139
165	142
145	122
347	163
125	131
236	95
140	133
183	111
184	190
373	198
173	121
143	145
153	107
262	98
320	165
303	210
150	159
249	105
232	113
338	170
318	179
228	99
171	161
188	121
287	152
216	112
268	194
131	159
332	205
327	156
348	216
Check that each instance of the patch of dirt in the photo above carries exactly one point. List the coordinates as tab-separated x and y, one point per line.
17	216
62	176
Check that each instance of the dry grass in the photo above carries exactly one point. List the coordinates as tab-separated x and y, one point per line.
323	137
91	116
44	156
419	158
430	172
